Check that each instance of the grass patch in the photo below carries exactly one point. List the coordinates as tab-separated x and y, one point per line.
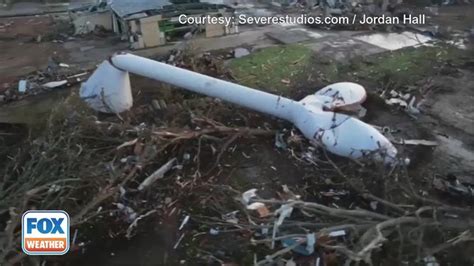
273	69
282	68
406	66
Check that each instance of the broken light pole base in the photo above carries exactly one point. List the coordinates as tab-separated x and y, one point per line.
108	90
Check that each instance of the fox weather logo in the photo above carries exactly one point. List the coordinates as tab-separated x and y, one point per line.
45	232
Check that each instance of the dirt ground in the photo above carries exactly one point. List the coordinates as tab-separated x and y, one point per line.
29	43
21	53
255	162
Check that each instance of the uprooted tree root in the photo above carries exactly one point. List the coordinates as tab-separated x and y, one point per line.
88	167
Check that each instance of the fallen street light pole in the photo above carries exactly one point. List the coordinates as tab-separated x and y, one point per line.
108	90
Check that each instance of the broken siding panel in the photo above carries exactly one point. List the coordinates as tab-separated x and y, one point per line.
214	30
115	24
122	26
150	19
151	32
134	26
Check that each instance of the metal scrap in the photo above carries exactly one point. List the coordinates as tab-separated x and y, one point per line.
454	187
307	249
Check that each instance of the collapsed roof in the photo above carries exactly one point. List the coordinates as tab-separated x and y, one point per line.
142	8
125	8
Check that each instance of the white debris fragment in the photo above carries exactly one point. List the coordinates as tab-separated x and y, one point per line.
231	217
255	206
78	75
310	242
264	231
414	108
337	233
157	174
131	214
54	84
179	241
75	236
249	194
373	205
54	188
185	221
130	228
22	86
122	191
430	261
417	142
407	101
397	101
126	144
279	141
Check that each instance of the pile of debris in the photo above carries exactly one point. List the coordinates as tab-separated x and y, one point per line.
57	75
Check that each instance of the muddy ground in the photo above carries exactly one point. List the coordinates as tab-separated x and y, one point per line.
442	76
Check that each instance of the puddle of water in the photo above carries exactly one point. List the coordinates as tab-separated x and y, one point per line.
395	41
287	25
310	33
243	6
261	12
338	44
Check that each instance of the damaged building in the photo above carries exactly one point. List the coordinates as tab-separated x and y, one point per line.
148	23
88	19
